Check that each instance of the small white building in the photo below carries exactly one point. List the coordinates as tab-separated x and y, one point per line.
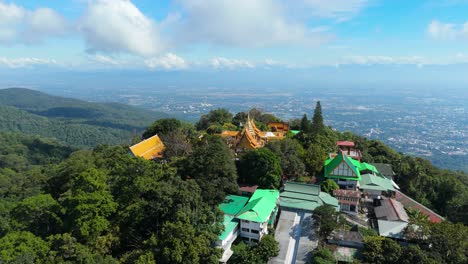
258	214
231	205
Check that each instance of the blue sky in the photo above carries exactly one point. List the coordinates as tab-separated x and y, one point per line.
184	35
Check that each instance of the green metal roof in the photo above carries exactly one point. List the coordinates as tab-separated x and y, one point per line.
299	204
302	188
230	224
305	196
328	199
299	196
260	206
375	182
295	132
232	204
367	166
354	165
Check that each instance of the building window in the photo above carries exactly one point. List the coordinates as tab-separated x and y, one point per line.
245	230
254	231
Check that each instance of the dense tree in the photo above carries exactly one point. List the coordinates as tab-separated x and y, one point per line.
212	166
325	220
23	247
38	214
323	255
413	254
267	248
381	250
329	186
447	242
290	153
243	254
306	126
239	119
314	159
162	126
373	251
218	116
88	205
181	244
262	167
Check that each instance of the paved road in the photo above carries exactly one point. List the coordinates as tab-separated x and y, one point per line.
286	223
307	240
296	239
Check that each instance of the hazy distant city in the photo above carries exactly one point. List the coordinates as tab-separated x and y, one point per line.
427	124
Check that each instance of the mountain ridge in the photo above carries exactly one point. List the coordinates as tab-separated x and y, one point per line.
72	121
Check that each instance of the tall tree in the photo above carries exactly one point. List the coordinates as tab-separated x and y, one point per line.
314	159
218	116
23	247
88	205
162	126
305	124
325	220
317	120
39	214
262	167
267	248
290	153
212	166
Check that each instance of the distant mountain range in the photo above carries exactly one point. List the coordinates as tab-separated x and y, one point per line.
75	122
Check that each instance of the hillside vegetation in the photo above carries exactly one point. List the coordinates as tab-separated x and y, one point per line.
62	205
75	122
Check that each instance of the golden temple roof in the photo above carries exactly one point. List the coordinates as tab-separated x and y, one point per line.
150	148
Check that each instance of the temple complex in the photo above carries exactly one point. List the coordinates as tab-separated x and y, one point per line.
250	137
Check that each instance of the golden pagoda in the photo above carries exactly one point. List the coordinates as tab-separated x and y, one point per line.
251	137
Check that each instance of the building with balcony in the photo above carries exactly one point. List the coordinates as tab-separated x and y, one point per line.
231	206
258	214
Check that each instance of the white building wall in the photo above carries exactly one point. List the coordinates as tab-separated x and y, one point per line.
248	226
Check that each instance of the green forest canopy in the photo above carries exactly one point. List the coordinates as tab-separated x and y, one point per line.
59	204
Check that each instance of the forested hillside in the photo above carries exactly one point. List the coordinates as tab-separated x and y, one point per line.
62	205
75	122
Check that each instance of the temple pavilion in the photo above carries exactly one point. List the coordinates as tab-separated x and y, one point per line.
250	137
150	148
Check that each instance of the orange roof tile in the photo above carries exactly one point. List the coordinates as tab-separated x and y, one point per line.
150	148
230	133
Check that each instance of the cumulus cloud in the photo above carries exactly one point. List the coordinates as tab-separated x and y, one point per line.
18	24
25	62
337	9
244	23
169	61
447	31
220	62
119	26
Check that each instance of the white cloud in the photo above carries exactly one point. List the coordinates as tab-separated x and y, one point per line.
119	26
18	24
220	62
244	23
169	61
25	62
105	60
447	31
337	9
382	60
